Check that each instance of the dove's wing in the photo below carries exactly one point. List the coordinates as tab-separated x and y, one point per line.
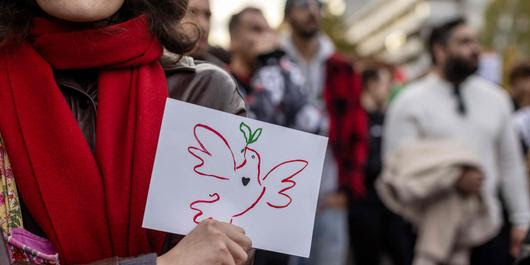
214	154
279	181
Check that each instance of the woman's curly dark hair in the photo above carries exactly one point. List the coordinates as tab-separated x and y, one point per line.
164	18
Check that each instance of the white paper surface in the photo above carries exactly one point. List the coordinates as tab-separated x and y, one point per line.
281	170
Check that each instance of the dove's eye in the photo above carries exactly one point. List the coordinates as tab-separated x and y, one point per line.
253	157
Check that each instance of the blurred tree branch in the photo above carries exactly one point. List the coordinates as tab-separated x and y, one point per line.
507	31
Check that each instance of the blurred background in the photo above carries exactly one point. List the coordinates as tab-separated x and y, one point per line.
392	31
294	76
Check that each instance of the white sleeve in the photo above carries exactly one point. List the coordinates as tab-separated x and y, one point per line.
401	124
514	182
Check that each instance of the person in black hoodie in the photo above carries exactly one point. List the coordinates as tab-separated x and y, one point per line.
374	230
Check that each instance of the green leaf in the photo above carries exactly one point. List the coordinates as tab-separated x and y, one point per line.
247	132
255	136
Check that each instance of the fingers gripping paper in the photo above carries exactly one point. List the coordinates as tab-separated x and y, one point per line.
262	177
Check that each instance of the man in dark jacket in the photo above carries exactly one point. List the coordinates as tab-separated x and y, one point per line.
271	84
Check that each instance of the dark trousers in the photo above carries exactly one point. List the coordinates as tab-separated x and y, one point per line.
495	251
375	232
264	257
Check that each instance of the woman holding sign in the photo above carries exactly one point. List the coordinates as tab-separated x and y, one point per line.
83	86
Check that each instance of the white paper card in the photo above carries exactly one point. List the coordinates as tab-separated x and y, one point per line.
262	177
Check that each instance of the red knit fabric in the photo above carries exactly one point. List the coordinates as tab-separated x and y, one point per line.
348	131
90	206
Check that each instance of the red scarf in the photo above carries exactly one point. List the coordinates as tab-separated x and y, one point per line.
89	207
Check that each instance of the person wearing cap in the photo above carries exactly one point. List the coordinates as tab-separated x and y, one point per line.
333	86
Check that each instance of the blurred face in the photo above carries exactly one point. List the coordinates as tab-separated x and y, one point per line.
253	36
460	58
379	89
199	13
80	10
305	18
464	44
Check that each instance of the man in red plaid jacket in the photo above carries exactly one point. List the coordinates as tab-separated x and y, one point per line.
348	124
334	87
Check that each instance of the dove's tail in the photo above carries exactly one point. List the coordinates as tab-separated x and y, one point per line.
215	197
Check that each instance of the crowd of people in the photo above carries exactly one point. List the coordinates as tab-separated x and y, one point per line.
365	208
434	172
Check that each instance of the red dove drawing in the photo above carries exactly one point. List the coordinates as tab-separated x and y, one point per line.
242	186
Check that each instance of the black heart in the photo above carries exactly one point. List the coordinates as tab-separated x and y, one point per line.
245	181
